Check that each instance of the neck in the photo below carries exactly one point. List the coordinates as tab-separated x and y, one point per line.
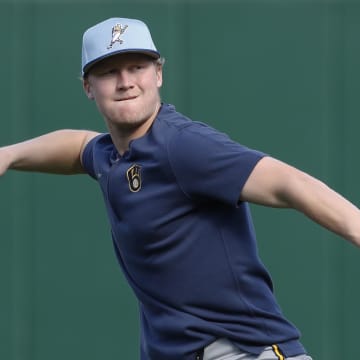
121	136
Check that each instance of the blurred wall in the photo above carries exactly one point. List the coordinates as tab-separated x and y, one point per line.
279	76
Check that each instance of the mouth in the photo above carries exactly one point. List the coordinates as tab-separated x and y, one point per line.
127	98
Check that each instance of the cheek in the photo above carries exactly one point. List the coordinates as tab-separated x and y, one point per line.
101	97
102	93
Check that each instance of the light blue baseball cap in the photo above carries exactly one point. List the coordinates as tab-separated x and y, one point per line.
115	36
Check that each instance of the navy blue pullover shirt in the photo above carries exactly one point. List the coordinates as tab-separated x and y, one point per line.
185	243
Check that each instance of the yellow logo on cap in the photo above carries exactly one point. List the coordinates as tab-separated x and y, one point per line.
117	31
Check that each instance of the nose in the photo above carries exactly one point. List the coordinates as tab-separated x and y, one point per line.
124	80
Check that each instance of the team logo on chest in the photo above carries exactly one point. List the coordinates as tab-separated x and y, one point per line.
134	178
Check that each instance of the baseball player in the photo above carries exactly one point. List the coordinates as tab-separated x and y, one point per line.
177	193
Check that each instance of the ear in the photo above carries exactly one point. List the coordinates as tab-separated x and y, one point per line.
159	77
87	89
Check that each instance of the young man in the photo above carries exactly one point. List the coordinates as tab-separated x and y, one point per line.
177	194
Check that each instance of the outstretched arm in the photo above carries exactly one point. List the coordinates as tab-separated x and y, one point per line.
57	152
274	183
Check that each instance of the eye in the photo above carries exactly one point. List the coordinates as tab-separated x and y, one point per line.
109	71
136	67
104	71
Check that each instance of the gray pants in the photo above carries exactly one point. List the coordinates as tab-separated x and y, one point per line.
223	349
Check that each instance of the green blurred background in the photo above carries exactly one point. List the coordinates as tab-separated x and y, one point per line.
279	76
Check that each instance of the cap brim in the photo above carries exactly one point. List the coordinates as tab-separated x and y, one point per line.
151	53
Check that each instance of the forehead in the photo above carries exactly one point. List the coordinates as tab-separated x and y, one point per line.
121	60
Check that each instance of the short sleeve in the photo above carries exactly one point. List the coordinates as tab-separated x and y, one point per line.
209	165
88	157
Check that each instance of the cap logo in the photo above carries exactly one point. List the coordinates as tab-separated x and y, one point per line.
117	31
134	178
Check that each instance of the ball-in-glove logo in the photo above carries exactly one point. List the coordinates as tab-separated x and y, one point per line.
134	178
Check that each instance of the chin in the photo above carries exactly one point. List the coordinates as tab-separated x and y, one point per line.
128	123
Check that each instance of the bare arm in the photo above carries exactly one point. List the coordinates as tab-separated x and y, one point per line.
57	152
274	183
